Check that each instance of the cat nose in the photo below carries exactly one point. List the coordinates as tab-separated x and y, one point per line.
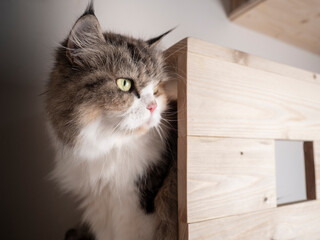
152	106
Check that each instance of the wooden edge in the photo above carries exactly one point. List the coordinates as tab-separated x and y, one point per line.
309	170
183	231
316	150
176	58
234	4
243	6
182	94
222	53
182	187
294	221
175	50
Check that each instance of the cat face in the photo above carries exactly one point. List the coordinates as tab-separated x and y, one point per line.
105	77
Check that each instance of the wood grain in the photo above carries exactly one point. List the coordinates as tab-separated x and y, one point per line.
231	107
298	221
176	58
230	100
295	22
239	7
182	183
234	56
229	176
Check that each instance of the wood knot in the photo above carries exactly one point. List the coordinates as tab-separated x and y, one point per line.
304	21
240	57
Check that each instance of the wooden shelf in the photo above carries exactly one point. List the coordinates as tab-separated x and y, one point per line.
232	106
296	22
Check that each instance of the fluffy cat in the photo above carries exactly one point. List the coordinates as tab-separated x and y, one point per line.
114	130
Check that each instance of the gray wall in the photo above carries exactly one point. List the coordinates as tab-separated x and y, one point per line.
31	206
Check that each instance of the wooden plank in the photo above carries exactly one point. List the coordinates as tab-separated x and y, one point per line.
298	221
183	231
239	7
182	187
182	97
176	61
232	94
229	176
316	146
309	170
245	59
236	4
230	100
295	22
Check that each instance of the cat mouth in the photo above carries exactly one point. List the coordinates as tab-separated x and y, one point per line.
150	123
147	124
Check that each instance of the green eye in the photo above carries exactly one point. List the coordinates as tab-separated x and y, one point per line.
155	91
124	84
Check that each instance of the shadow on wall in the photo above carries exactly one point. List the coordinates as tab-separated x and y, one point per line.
226	6
31	206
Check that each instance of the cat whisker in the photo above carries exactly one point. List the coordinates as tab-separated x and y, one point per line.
160	132
116	128
174	52
167	122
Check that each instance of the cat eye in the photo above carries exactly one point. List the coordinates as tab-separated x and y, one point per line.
124	84
155	90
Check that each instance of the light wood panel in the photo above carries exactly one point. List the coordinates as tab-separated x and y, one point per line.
295	22
231	55
239	7
229	176
231	107
230	100
298	221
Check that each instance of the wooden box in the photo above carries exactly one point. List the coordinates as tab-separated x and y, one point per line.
296	22
232	106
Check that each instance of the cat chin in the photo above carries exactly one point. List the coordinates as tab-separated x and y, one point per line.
143	129
152	121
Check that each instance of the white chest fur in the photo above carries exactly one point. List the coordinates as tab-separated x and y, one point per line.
102	171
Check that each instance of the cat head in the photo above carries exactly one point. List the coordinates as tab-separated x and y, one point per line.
108	78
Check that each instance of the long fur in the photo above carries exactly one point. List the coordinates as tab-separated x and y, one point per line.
114	155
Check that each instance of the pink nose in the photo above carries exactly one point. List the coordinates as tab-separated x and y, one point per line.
152	106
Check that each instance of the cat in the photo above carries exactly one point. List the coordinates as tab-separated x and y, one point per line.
113	125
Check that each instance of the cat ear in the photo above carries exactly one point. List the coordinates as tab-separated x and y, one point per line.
85	33
154	41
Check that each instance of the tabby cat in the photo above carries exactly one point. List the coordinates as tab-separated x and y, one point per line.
114	131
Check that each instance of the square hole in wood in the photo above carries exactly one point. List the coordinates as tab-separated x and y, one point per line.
295	171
